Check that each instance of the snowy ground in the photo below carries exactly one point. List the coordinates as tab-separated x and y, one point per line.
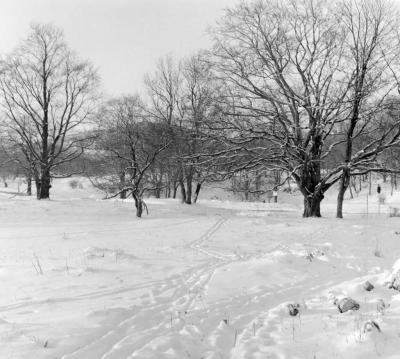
83	278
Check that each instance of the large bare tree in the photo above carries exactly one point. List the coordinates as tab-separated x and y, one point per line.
47	94
291	87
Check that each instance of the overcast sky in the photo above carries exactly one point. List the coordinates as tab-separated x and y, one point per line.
123	38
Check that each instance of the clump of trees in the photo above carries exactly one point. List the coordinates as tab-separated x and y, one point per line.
303	90
127	145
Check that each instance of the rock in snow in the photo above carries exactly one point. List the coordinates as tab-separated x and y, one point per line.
346	304
368	286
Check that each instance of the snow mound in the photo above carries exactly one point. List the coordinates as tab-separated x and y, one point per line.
114	254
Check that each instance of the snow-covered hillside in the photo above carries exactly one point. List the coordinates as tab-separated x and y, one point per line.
83	278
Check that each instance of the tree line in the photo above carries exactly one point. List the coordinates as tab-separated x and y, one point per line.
303	91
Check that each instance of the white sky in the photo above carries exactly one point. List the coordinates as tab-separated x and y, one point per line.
123	38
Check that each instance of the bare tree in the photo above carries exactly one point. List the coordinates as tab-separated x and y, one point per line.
373	51
182	97
128	145
199	91
47	94
289	91
164	88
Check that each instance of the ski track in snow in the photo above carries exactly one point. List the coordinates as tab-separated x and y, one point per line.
177	317
128	336
176	303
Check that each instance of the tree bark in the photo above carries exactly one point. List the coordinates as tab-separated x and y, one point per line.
343	185
309	183
175	185
183	190
188	190
369	183
312	206
122	195
29	185
197	191
138	205
37	184
45	184
391	184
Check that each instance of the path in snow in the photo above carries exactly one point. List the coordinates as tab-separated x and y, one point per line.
116	287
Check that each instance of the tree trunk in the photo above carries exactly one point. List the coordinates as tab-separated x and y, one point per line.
391	184
188	190
183	190
343	185
312	206
45	185
197	191
29	185
122	195
175	185
37	184
369	183
138	205
309	183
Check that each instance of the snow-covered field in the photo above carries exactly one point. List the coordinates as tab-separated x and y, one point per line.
83	278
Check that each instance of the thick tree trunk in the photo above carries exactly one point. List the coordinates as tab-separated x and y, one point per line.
197	191
312	206
309	182
45	185
29	185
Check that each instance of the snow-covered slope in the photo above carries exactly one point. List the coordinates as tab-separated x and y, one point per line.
83	278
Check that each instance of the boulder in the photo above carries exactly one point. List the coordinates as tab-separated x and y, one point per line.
368	286
346	304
